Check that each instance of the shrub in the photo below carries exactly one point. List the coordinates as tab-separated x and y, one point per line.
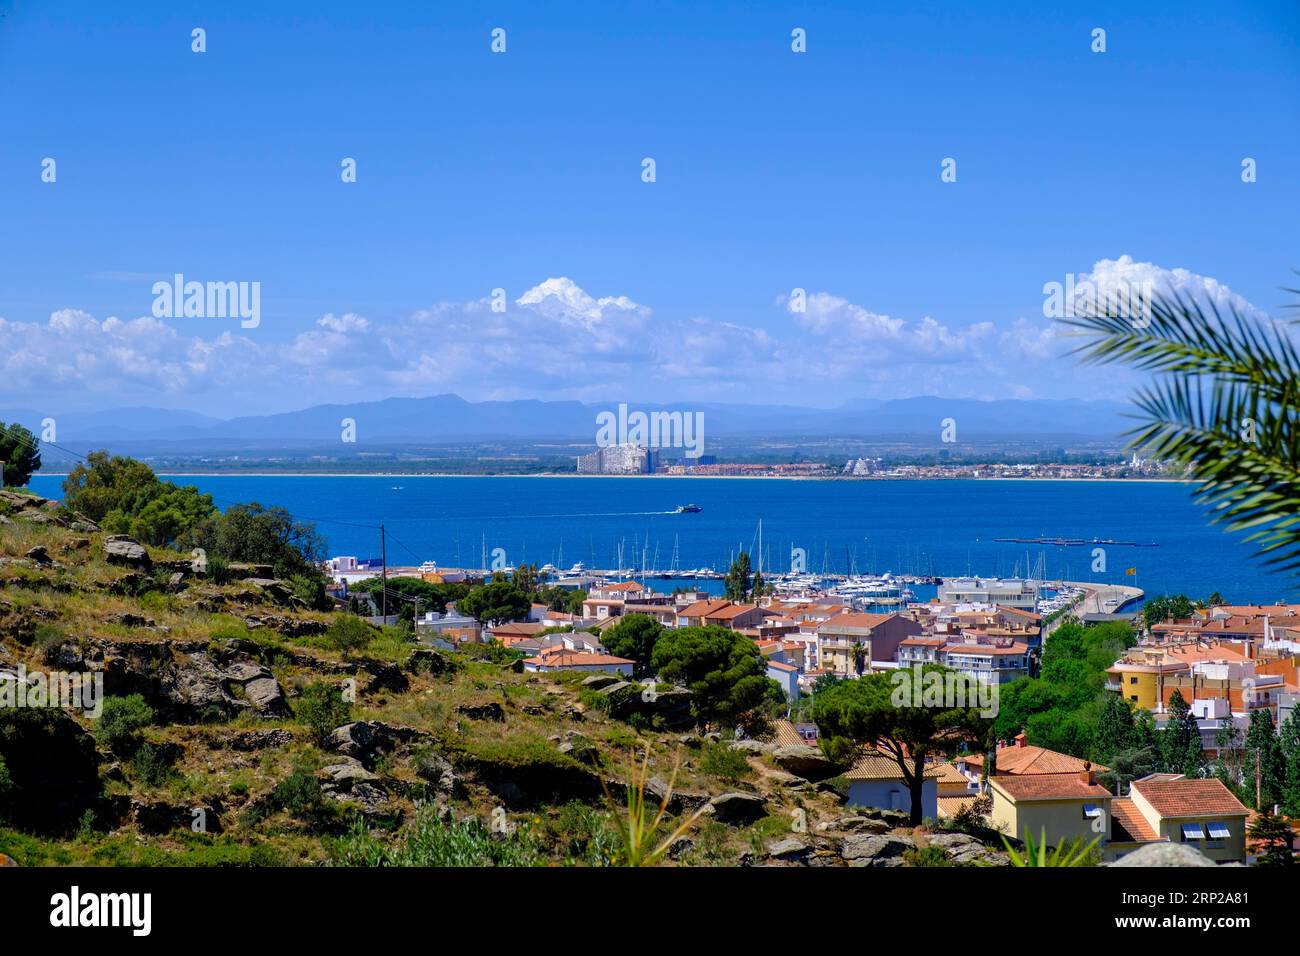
927	856
321	708
150	766
725	763
121	721
349	633
435	842
299	793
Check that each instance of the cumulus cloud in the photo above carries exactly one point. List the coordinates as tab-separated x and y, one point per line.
555	340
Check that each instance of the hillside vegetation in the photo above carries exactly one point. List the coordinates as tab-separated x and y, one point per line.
242	726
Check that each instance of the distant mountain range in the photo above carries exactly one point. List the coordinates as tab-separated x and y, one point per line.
449	418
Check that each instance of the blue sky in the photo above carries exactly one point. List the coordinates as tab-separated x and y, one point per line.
477	171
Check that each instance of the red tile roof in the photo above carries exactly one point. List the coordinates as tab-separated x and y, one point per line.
1127	815
1048	786
1186	797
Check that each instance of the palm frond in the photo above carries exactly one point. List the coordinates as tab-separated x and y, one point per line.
1224	406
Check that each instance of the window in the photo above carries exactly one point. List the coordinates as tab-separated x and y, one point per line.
1193	831
1091	811
1132	680
1218	831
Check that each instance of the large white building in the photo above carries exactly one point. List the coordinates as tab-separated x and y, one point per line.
619	460
1009	592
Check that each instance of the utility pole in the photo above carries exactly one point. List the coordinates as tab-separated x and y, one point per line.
383	556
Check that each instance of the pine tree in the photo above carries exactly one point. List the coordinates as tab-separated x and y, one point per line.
1114	730
739	581
1180	741
1273	837
1264	763
1289	741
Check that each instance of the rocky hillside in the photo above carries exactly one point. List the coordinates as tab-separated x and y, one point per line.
233	733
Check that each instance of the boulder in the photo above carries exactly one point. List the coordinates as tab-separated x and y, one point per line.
266	696
39	555
1165	854
788	849
679	801
120	549
599	681
426	660
348	772
807	762
385	677
856	825
876	850
489	711
738	808
753	746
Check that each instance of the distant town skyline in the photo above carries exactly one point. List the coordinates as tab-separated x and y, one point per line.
798	243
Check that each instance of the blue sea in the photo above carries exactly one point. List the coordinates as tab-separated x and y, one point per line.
923	527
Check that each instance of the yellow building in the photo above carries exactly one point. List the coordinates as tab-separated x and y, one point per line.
1140	676
1052	807
1167	807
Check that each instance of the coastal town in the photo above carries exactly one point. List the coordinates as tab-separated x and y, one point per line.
1217	671
636	459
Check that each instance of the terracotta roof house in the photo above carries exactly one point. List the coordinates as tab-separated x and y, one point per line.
1021	757
1203	813
1053	807
563	659
875	780
693	615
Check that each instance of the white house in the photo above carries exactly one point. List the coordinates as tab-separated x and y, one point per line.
787	675
876	781
568	659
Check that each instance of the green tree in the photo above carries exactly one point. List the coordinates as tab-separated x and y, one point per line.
877	710
1222	407
1157	610
1230	759
724	670
1274	837
348	634
526	578
124	496
1289	738
431	597
739	581
1180	741
1265	767
633	636
258	535
495	603
321	708
1114	730
120	722
20	452
104	484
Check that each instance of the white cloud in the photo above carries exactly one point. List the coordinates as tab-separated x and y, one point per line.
556	341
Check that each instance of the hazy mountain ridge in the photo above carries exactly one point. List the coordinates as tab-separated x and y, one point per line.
449	417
